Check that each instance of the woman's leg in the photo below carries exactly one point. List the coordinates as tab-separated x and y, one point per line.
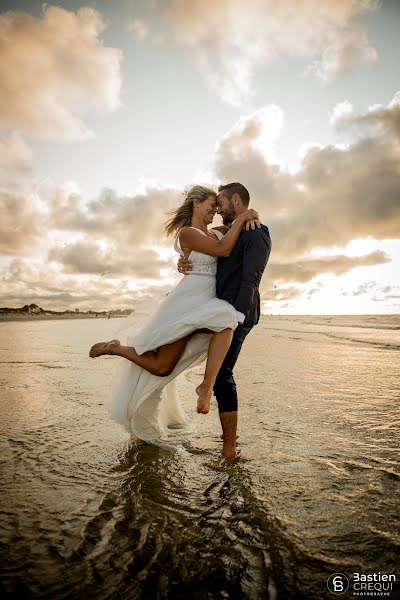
159	362
219	346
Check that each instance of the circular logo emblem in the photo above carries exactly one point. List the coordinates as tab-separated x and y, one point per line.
338	583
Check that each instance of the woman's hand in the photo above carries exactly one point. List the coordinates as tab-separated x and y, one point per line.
252	224
251	219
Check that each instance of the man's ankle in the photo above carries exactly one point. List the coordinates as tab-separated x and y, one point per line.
229	452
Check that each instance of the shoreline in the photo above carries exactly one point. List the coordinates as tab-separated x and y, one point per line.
7	317
33	317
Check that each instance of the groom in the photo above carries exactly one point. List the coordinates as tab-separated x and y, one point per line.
238	280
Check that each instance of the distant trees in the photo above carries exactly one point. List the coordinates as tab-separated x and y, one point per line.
32	309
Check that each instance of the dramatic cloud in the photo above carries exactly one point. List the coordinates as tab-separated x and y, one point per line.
54	70
351	193
378	119
113	248
337	195
258	131
304	270
88	257
116	238
233	39
25	281
133	220
242	155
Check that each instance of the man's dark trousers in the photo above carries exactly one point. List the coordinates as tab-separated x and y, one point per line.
225	386
238	280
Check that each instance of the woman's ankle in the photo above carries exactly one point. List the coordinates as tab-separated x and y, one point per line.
207	383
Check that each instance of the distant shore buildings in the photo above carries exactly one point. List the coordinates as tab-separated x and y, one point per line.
34	309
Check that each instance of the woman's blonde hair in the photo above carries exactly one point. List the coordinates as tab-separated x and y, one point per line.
182	216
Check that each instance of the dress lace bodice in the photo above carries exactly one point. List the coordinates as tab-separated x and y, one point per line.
203	264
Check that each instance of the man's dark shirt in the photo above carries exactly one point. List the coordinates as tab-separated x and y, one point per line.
239	275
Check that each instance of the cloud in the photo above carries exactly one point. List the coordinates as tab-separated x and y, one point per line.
303	271
134	220
233	39
54	70
344	49
21	223
88	257
15	155
114	258
381	292
365	288
281	294
142	31
352	192
109	250
378	119
119	235
259	131
139	28
337	194
26	281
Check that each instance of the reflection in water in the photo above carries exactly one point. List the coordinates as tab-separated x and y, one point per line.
88	512
171	526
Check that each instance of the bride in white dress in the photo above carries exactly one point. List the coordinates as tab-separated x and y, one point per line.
187	323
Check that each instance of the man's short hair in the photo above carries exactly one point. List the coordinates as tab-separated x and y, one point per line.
235	188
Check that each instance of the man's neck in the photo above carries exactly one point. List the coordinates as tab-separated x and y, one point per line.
239	211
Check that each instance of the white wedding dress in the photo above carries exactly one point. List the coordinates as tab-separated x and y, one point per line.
145	404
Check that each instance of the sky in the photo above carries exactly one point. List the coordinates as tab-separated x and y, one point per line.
109	111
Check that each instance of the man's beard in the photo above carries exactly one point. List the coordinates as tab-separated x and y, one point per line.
229	215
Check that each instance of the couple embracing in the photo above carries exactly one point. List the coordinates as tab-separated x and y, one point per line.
209	313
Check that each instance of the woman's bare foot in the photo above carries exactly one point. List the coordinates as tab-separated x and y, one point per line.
204	401
103	348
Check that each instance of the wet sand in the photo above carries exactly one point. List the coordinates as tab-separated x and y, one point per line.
88	511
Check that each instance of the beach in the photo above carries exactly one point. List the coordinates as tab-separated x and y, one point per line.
88	511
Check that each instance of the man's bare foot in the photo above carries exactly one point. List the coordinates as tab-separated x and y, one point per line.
204	401
229	461
102	348
230	456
